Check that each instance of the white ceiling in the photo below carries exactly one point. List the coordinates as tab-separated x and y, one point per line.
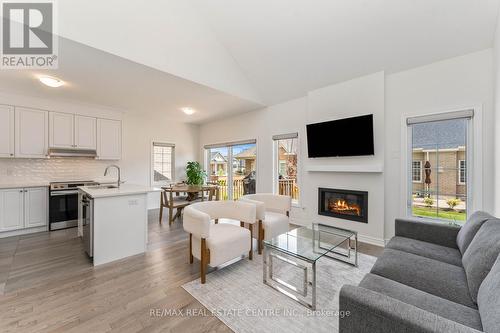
224	57
289	47
98	78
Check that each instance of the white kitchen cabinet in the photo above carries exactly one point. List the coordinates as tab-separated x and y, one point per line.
85	132
61	130
23	208
11	209
109	139
35	207
6	131
72	131
31	129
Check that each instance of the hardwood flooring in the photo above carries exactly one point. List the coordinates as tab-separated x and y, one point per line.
49	285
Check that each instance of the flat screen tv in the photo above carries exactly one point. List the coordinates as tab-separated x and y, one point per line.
342	137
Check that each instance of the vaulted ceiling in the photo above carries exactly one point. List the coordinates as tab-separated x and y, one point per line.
288	47
230	56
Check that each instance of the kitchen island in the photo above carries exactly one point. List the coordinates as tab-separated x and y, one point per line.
113	221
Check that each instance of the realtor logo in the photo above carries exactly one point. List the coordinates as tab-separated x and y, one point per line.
28	35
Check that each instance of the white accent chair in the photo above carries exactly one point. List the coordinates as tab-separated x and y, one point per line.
215	243
273	213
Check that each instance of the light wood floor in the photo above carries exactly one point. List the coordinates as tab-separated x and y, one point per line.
47	284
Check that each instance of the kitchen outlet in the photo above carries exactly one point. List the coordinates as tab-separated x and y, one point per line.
133	202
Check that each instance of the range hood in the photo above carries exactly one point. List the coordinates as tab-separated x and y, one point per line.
64	152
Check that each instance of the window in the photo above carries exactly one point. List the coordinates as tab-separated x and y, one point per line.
162	161
439	147
286	162
233	167
416	172
462	172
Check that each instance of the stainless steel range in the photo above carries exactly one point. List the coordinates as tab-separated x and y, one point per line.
63	204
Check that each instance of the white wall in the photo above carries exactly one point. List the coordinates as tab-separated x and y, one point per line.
496	73
454	83
138	131
328	103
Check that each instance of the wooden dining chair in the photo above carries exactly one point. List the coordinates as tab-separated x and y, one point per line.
171	201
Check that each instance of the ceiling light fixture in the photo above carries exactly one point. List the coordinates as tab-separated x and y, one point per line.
51	81
188	111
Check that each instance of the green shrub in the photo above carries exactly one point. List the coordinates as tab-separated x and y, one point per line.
452	203
428	202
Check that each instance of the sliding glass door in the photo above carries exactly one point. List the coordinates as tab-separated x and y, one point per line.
232	166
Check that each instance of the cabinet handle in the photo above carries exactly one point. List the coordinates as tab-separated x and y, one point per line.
21	191
11	154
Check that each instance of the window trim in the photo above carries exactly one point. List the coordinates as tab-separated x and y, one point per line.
276	138
459	169
474	154
420	168
151	167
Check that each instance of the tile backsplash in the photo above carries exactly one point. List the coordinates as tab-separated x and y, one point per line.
53	169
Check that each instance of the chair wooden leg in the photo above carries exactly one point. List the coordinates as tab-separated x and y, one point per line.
216	221
170	215
250	254
161	207
203	264
190	248
260	237
242	224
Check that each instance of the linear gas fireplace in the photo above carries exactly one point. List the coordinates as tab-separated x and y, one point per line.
344	204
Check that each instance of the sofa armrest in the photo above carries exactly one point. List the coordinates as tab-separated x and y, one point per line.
432	232
363	310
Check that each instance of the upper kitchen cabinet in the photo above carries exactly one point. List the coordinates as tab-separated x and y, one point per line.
6	131
61	130
109	139
85	132
31	129
72	131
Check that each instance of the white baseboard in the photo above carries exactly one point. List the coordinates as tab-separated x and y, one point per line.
372	240
22	231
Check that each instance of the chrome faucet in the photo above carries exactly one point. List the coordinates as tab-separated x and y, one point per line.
117	168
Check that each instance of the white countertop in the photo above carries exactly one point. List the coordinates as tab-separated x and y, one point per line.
21	185
124	189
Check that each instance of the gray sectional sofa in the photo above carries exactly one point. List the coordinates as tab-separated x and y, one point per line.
431	277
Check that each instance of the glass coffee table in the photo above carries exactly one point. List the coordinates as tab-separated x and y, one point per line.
301	248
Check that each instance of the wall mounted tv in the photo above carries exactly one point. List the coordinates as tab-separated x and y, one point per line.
342	137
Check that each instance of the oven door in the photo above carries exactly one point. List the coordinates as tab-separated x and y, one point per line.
63	209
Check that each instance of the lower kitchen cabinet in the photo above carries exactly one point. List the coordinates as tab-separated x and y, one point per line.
11	209
22	208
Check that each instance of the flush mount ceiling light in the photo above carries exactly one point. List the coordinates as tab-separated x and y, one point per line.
51	81
188	111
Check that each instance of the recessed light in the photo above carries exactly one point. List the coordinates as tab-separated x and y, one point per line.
51	81
188	111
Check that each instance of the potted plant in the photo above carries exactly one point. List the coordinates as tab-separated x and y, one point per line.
195	177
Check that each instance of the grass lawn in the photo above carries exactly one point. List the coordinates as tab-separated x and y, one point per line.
444	214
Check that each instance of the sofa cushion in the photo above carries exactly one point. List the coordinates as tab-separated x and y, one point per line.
481	255
488	299
425	301
470	228
428	250
425	274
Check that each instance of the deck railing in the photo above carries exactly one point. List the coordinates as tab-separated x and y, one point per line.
288	187
285	187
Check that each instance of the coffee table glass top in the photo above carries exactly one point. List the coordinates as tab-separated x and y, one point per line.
310	244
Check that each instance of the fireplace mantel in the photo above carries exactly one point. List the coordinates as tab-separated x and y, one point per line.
371	168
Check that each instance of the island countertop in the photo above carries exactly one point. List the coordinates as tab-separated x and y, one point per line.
124	189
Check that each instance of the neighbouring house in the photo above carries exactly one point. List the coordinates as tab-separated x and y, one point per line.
218	164
245	160
446	153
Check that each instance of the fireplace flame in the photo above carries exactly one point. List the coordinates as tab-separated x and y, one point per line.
343	207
